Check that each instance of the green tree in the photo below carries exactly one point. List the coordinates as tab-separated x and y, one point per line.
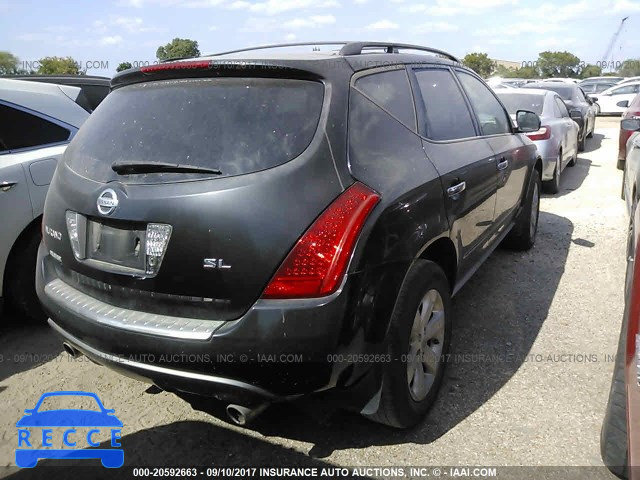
8	63
527	72
58	65
124	66
591	71
630	68
178	48
480	63
558	64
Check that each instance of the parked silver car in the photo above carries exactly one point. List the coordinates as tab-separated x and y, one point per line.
557	139
37	121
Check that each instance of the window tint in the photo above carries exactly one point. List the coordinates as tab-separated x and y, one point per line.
448	117
562	107
491	116
626	90
19	129
391	91
534	102
238	125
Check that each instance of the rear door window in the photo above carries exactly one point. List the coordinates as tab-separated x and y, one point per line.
20	129
391	91
447	114
561	106
491	116
236	125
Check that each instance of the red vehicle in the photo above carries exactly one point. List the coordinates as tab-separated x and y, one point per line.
633	110
620	437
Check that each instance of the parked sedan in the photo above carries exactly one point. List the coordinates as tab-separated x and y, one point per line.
581	107
620	437
37	121
557	139
632	111
612	100
592	89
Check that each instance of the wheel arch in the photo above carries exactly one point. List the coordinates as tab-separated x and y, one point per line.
21	240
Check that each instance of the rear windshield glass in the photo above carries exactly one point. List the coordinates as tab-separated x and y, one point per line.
236	125
520	101
565	92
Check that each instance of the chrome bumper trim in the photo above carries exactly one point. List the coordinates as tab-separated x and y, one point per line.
94	310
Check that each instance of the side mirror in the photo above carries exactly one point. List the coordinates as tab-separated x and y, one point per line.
527	121
575	113
630	124
623	103
594	99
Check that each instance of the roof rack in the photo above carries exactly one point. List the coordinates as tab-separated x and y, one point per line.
348	48
356	48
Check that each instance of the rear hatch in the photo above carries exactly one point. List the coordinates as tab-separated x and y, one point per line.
187	193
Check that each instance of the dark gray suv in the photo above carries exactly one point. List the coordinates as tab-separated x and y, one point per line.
260	226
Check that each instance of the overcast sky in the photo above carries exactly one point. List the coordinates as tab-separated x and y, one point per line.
108	32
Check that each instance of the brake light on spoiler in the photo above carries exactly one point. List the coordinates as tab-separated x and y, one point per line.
318	262
161	67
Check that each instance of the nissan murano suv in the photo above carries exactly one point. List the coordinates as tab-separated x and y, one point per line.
257	227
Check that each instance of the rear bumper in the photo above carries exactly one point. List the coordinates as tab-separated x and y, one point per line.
278	350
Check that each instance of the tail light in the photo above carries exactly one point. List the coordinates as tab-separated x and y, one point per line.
160	67
543	133
318	262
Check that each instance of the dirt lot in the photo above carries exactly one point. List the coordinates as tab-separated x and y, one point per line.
532	357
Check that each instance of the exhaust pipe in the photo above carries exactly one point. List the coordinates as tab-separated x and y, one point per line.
243	415
72	351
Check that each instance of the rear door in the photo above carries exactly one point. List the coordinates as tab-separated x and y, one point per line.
30	146
510	168
464	160
571	128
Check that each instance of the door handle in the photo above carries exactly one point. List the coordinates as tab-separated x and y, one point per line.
456	189
6	186
503	163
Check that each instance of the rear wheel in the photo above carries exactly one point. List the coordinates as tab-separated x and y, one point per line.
523	234
419	337
553	185
593	128
582	141
20	273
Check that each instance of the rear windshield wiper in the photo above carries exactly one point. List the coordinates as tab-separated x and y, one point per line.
128	168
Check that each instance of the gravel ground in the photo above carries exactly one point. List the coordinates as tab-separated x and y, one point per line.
531	361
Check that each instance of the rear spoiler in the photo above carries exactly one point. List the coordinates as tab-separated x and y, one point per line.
212	68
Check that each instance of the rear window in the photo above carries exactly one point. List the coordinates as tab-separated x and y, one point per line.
520	101
565	92
237	125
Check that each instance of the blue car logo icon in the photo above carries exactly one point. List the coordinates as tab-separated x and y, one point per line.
68	420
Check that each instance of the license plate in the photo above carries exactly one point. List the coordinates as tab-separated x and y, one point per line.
116	245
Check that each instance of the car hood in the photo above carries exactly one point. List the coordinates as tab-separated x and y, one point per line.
69	418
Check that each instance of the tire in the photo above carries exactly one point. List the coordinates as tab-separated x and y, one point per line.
620	164
553	185
582	142
402	402
20	273
593	128
613	436
523	234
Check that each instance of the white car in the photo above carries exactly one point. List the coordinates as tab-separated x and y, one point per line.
629	79
616	99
